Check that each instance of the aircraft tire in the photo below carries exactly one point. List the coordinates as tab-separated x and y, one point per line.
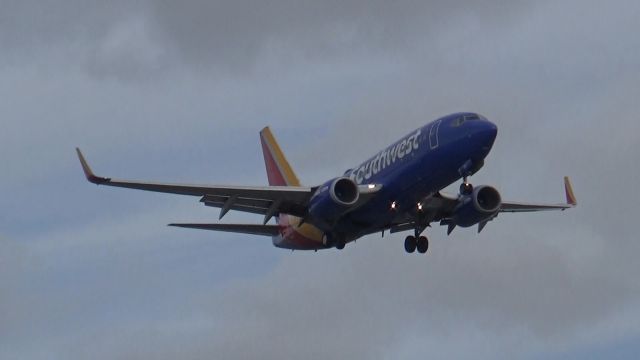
340	245
422	244
410	244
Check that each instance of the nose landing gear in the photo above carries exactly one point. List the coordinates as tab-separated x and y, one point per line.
467	169
466	188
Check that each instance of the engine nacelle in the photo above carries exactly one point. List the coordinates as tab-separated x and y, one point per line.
483	203
332	200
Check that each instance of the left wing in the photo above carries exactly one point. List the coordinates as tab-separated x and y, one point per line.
265	200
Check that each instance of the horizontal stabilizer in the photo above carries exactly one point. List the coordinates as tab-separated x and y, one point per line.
253	229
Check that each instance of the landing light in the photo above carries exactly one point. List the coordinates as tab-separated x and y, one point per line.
420	206
371	186
393	205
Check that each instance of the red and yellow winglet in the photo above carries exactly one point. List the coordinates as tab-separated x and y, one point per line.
88	173
568	191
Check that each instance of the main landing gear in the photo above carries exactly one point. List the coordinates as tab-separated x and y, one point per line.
420	243
333	240
416	241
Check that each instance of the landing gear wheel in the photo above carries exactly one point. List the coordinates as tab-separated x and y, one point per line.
422	244
410	244
340	245
466	188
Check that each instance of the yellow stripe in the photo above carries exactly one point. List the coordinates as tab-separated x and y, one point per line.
307	230
277	154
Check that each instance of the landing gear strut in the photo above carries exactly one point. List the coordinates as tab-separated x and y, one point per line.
467	169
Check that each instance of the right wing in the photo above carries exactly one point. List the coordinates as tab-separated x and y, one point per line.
265	200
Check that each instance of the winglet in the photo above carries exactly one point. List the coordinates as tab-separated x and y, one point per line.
568	191
87	170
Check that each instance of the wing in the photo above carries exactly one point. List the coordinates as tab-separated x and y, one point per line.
440	207
267	230
529	207
265	200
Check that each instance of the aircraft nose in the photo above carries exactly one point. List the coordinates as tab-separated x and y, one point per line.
492	130
487	134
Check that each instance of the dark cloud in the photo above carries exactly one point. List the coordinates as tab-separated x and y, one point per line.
34	28
238	34
137	40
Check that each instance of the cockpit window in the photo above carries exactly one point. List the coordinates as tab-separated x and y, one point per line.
457	121
461	120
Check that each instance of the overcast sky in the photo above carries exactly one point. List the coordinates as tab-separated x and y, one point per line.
177	91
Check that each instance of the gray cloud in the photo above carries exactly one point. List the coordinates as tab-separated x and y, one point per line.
93	273
137	40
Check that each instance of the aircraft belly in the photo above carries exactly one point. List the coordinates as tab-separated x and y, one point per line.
426	181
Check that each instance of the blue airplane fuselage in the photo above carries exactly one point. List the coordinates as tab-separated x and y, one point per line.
419	165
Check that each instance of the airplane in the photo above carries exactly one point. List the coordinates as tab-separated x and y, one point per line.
396	190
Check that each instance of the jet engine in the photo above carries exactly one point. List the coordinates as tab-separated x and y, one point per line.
332	200
481	205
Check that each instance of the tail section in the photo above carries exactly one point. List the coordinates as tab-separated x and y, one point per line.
279	172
